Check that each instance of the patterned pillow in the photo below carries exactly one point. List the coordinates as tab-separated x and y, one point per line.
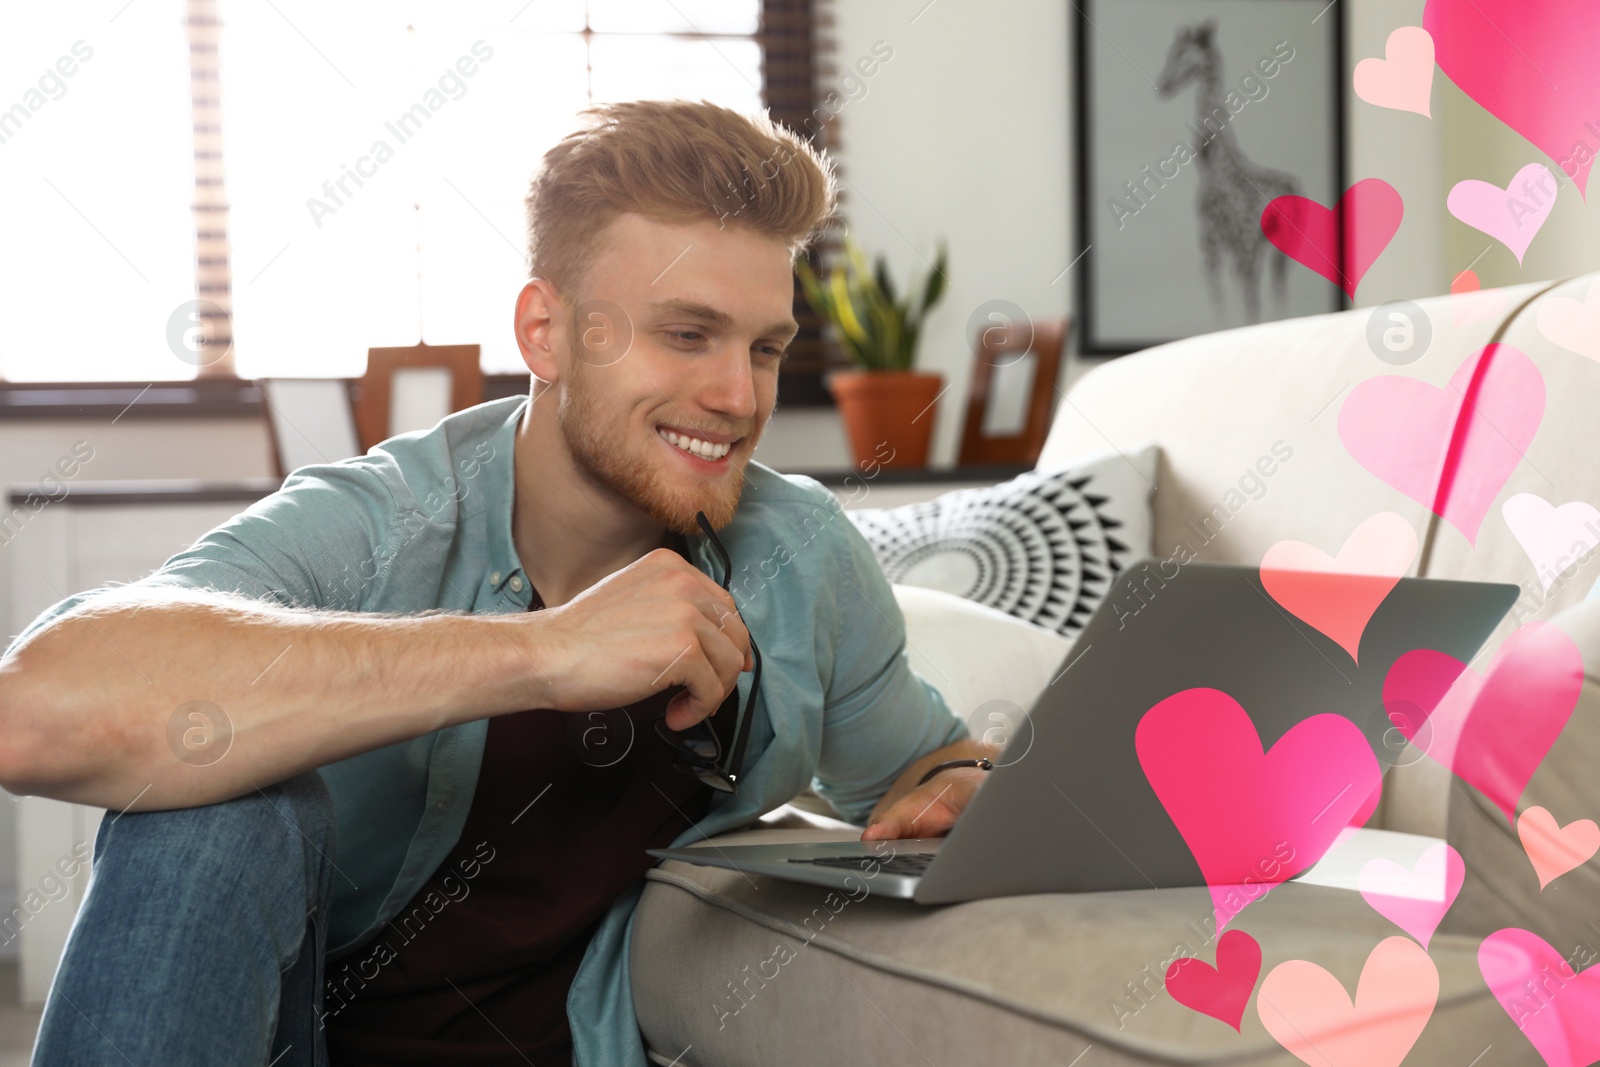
1043	547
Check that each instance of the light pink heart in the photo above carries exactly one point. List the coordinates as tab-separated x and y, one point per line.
1537	75
1238	807
1570	324
1554	538
1451	449
1221	991
1415	900
1365	219
1337	595
1308	1012
1552	849
1403	79
1513	215
1554	1006
1492	730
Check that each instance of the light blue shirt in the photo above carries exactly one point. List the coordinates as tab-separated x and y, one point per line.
423	523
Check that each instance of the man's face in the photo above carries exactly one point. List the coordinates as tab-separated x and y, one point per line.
667	419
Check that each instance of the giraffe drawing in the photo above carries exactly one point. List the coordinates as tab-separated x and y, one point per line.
1233	190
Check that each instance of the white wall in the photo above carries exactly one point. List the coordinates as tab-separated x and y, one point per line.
962	136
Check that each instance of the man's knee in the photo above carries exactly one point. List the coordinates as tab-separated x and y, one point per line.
283	832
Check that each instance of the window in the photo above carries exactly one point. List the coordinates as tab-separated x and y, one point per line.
375	159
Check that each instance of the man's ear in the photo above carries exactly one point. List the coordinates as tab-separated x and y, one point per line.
539	318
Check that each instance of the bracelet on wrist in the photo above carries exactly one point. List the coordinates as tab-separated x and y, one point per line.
982	762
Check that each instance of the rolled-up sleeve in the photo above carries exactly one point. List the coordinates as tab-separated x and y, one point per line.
879	715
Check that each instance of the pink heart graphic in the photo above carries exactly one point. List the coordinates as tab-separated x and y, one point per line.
1248	817
1337	595
1513	215
1554	538
1554	850
1403	80
1307	1010
1363	223
1494	729
1221	991
1512	63
1554	1006
1415	900
1566	322
1452	449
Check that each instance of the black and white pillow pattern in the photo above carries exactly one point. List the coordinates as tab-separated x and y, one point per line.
1043	547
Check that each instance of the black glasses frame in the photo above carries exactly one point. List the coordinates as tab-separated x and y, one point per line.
699	748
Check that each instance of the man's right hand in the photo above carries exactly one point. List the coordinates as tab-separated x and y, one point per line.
656	623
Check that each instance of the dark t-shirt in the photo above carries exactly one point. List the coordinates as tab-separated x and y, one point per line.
474	971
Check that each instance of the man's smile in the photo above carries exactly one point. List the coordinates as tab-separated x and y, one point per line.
711	450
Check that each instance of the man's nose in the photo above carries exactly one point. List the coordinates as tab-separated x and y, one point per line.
729	388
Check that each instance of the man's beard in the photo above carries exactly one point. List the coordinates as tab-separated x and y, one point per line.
604	461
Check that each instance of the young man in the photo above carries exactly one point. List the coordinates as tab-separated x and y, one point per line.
382	754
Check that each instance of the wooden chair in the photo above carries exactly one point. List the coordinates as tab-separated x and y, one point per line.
378	417
1041	348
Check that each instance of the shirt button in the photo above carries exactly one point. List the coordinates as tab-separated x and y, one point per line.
516	585
439	806
494	579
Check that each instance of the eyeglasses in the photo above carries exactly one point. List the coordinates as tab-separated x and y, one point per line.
699	749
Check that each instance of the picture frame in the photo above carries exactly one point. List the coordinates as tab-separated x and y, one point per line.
1011	397
1170	240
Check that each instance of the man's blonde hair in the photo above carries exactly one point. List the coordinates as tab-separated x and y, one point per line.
673	161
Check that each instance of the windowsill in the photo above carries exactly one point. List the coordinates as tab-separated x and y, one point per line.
214	398
236	398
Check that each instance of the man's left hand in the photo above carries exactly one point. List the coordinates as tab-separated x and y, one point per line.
930	809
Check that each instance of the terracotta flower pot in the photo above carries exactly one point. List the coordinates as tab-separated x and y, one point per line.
888	415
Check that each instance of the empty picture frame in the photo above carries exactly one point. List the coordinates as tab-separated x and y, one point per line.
1013	388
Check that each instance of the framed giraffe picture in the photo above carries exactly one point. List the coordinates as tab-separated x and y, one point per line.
1192	116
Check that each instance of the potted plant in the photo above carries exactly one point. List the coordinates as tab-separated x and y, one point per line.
887	407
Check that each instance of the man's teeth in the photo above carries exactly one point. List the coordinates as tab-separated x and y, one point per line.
703	449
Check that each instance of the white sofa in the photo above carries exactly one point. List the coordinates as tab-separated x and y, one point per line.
1039	979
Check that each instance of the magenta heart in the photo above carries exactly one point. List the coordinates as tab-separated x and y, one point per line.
1553	1005
1493	730
1531	67
1221	991
1452	449
1252	818
1341	243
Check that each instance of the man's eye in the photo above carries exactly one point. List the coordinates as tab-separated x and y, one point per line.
686	336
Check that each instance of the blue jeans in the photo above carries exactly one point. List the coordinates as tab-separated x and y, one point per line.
201	938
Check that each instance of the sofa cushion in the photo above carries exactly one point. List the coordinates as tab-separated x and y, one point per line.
977	656
743	969
1556	469
1501	888
1043	547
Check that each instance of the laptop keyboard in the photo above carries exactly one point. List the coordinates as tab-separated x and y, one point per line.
911	864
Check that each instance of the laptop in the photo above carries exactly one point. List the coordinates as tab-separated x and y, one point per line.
1068	807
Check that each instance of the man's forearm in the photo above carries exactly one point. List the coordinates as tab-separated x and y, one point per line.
965	749
94	707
